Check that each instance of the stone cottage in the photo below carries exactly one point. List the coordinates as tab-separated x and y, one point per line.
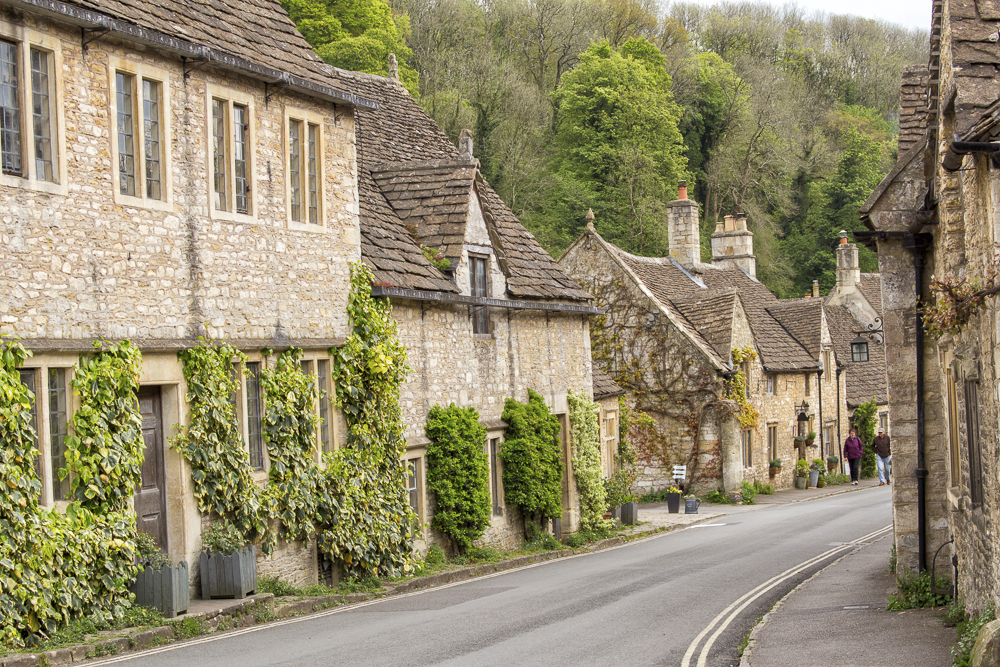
677	332
933	220
172	170
484	312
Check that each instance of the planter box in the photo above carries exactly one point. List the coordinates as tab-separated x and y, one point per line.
674	502
801	482
232	576
773	471
832	467
165	590
630	514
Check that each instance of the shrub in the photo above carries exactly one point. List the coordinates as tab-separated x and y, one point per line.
222	538
749	492
915	591
276	587
149	554
532	461
865	419
458	474
763	488
968	632
587	461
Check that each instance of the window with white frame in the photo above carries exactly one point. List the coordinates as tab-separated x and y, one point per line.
140	137
29	128
230	152
304	160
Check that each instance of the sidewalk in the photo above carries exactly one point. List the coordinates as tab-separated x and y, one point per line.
838	617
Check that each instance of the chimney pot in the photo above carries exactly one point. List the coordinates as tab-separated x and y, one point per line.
815	288
843	236
730	225
465	144
682	189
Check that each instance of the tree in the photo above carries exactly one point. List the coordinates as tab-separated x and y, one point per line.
865	418
356	35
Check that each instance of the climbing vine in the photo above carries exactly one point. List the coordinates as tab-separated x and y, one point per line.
736	388
865	419
532	464
583	417
956	299
458	474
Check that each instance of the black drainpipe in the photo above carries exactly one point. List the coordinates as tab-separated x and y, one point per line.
840	442
819	383
917	245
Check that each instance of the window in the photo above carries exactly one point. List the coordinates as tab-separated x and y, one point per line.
323	370
972	438
254	440
479	286
827	441
956	462
745	369
413	474
772	441
139	138
28	147
28	380
495	476
611	425
771	384
305	164
747	448
859	350
828	366
883	421
805	381
58	419
231	141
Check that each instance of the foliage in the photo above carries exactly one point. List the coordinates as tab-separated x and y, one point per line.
148	553
865	420
436	257
749	492
718	498
763	488
832	459
212	444
373	527
968	633
915	592
736	389
104	453
801	468
618	487
276	586
458	474
222	538
956	299
583	417
774	463
817	464
532	464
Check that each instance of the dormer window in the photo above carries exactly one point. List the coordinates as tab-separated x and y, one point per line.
479	286
859	349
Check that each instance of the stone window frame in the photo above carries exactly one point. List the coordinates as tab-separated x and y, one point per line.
954	447
973	442
314	360
307	118
475	311
772	440
27	39
141	72
495	471
771	384
231	97
417	454
43	424
746	446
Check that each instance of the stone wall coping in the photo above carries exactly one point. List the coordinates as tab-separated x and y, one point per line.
176	344
442	297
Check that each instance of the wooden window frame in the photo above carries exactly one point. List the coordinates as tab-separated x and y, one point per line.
974	443
414	493
496	474
230	100
306	120
746	438
480	314
772	441
953	433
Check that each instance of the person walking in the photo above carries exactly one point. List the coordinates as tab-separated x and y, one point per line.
852	452
883	457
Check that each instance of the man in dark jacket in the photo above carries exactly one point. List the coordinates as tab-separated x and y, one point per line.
883	457
853	450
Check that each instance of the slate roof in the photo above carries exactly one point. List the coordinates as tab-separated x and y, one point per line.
672	285
604	386
871	288
803	319
397	143
975	59
863	379
712	315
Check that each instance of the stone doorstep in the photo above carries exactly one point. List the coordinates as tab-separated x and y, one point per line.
143	639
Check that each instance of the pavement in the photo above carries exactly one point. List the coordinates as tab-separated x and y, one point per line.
838	617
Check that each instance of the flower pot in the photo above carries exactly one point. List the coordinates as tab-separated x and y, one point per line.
813	477
801	482
630	514
773	470
165	590
821	483
691	505
810	441
232	576
832	467
674	502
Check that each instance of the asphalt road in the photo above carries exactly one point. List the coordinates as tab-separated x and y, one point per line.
681	599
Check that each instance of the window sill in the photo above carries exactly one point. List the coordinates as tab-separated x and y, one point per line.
955	498
230	216
306	227
23	183
476	336
141	202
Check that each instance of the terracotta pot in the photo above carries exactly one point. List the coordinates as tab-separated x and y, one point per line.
773	470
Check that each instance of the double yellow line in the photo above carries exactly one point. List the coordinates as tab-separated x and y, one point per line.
729	614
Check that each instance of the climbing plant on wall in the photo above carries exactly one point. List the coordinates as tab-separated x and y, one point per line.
736	388
586	441
458	474
865	419
374	527
619	485
211	442
532	461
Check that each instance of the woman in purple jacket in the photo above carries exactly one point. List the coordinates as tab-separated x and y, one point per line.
852	452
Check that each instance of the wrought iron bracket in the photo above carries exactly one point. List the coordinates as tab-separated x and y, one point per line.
874	332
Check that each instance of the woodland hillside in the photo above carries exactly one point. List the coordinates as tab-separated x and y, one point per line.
574	104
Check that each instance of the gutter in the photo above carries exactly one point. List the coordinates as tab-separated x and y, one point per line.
380	291
105	24
957	150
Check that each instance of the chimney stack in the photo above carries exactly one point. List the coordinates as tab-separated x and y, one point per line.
848	267
816	288
393	67
465	144
732	244
682	229
590	219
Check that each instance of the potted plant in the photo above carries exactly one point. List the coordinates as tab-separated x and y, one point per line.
821	482
810	439
774	467
831	463
159	584
815	468
801	474
619	494
673	500
228	564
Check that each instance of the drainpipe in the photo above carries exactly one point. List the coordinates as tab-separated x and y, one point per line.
840	442
819	383
917	245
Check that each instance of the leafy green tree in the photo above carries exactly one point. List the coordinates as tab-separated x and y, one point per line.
532	460
458	474
865	418
356	35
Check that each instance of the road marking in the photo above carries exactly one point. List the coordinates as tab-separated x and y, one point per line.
729	614
708	525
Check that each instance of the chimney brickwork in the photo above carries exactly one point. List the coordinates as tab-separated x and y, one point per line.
912	106
732	245
848	266
682	229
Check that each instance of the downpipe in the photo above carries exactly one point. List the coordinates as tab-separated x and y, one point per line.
918	246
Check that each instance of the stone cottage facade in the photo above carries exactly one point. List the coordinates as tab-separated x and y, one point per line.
498	319
172	170
675	330
934	217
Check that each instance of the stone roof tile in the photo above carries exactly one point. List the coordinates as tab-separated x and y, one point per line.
604	386
803	319
863	379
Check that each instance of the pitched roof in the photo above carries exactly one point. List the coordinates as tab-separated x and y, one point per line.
670	283
712	315
863	379
604	386
803	318
871	288
399	141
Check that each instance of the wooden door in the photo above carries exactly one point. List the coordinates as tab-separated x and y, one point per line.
151	498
